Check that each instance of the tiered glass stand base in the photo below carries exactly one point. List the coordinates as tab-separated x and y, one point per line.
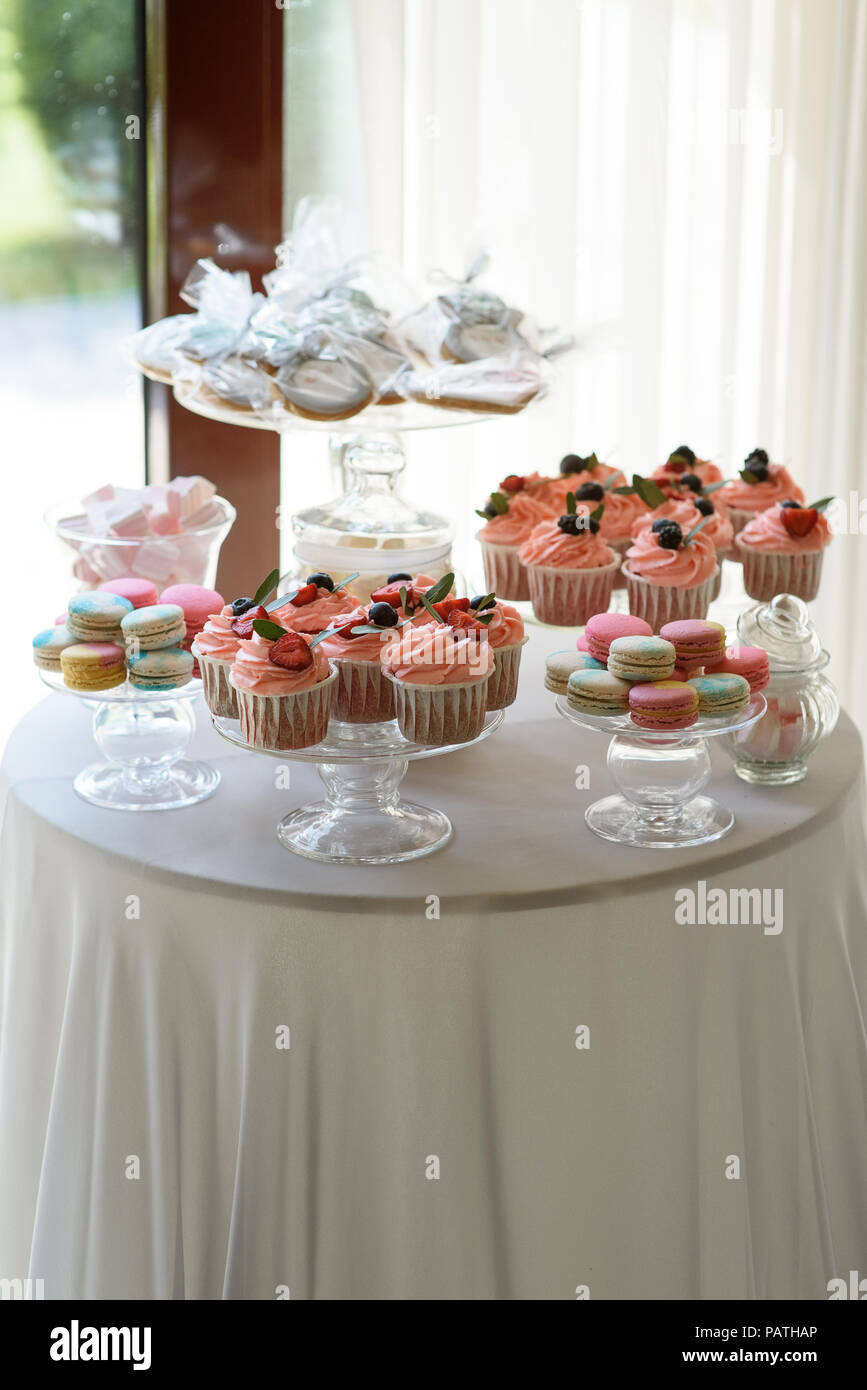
363	819
143	735
660	777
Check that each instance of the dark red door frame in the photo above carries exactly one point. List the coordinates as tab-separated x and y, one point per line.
215	149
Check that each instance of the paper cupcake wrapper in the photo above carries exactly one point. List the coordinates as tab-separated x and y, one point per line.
659	604
435	715
567	598
278	722
620	548
767	574
505	576
503	684
362	695
739	518
219	695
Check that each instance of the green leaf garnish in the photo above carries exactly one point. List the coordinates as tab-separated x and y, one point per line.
280	600
500	502
487	602
368	627
483	515
649	491
266	587
571	504
342	583
608	485
485	618
426	603
689	535
403	597
712	487
748	475
690	463
441	589
592	463
597	514
321	636
268	629
625	489
821	505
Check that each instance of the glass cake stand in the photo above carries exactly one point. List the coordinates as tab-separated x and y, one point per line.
362	819
143	735
660	776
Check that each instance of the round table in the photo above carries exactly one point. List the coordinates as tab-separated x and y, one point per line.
505	1071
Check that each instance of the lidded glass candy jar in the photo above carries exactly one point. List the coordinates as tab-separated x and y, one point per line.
802	703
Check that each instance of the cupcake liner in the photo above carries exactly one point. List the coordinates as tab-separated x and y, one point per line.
505	576
620	548
503	685
659	604
435	715
278	722
739	519
362	695
767	574
567	598
219	694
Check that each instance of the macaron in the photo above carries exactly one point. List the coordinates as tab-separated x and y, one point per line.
560	665
641	658
90	666
696	641
602	629
158	625
597	692
97	617
749	662
140	592
163	669
720	694
663	705
582	644
196	602
48	646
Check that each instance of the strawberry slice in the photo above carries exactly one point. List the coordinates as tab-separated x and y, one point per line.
390	593
243	626
291	652
305	596
513	483
461	618
451	605
346	630
799	521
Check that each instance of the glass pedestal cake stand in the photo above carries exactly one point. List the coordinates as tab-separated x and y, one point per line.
362	819
143	735
660	776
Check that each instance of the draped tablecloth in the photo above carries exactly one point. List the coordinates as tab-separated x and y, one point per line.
504	1071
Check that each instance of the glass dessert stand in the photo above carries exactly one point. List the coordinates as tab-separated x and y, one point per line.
362	819
143	735
660	776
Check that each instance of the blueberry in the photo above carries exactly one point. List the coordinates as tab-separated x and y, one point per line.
489	509
240	605
383	615
590	492
685	452
692	481
670	536
322	581
571	463
393	578
477	602
757	456
704	505
790	503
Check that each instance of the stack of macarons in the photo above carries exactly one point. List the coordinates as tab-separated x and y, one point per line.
155	657
113	634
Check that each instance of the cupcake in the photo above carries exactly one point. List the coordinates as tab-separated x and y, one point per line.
284	688
683	460
670	574
571	569
782	550
315	605
506	638
574	470
440	674
362	695
214	649
688	512
617	520
509	520
761	485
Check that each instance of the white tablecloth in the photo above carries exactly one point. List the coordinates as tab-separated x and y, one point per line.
432	1130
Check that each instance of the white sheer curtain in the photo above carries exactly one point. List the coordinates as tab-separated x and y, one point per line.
684	182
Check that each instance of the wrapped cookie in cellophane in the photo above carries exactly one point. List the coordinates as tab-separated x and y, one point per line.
490	386
224	302
332	376
232	383
465	323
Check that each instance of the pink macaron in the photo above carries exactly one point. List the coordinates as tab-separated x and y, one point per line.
197	602
603	628
663	705
140	592
749	662
696	641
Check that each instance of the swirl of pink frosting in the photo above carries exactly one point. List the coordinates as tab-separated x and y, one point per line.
506	627
366	647
548	545
755	497
253	670
437	655
319	613
216	638
702	468
767	532
552	491
514	526
616	521
680	569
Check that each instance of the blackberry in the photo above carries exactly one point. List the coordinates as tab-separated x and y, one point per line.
757	456
683	451
569	524
670	536
660	523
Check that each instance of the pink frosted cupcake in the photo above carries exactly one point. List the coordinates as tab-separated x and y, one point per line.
574	470
509	520
688	513
314	606
506	637
284	691
362	695
782	550
215	648
669	578
761	485
617	520
571	569
440	676
683	461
